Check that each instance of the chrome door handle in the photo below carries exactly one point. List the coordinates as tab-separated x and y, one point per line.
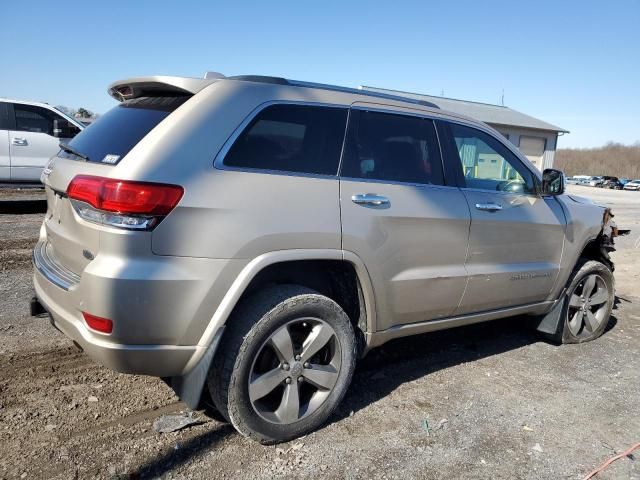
370	199
21	142
488	207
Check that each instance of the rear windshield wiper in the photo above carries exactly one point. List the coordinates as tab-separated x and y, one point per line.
73	151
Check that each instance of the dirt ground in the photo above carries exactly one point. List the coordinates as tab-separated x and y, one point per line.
498	401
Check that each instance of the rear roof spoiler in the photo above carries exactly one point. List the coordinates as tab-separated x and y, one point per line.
156	86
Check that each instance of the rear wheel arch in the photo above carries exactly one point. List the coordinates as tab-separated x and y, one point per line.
344	281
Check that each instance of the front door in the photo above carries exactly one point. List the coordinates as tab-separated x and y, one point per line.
516	235
400	217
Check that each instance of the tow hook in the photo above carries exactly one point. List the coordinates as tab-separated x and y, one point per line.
36	307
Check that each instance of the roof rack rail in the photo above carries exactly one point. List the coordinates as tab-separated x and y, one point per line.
261	79
359	91
334	88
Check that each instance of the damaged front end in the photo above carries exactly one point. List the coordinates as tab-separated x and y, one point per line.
605	240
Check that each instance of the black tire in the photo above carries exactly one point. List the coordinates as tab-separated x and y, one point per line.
253	323
584	269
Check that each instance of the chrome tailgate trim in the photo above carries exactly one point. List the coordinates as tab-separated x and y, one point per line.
46	264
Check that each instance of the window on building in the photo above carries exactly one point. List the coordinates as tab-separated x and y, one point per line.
486	163
291	138
533	149
392	147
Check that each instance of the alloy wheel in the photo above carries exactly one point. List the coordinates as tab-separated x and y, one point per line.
295	370
588	305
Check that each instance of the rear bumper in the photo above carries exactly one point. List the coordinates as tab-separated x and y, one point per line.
156	360
160	307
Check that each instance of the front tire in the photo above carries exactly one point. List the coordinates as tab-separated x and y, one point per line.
285	364
588	302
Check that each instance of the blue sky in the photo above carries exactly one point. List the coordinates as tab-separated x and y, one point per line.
574	64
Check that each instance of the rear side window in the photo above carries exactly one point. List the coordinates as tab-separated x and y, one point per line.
291	138
115	133
393	148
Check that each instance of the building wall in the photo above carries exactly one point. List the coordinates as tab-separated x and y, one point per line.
551	140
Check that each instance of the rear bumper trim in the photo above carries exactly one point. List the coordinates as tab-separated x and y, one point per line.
51	269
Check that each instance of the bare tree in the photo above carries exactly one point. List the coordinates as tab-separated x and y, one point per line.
613	159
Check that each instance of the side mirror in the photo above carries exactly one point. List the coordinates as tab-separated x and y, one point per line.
64	129
552	182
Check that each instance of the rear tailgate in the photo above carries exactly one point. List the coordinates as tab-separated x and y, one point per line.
71	242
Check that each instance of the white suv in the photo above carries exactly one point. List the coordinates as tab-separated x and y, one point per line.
29	135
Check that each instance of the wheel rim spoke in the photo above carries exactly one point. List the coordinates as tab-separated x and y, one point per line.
576	322
575	301
282	345
590	321
321	376
589	283
289	409
601	296
318	338
265	383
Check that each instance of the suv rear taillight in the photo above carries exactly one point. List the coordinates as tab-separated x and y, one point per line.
122	203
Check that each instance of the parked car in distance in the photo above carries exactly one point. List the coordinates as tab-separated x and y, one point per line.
608	182
30	133
249	238
611	184
595	181
572	180
632	185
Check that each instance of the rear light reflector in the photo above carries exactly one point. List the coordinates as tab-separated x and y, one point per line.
102	325
122	203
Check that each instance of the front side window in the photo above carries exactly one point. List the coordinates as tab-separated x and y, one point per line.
486	163
30	118
393	148
291	138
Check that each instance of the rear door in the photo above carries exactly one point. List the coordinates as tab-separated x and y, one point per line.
5	159
516	235
31	142
401	217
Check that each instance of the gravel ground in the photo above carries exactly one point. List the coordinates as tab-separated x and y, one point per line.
486	401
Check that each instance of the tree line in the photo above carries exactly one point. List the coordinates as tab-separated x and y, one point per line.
613	159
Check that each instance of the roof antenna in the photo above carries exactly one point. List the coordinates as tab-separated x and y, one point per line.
442	93
502	98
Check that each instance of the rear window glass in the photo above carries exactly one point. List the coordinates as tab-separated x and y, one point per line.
291	138
115	133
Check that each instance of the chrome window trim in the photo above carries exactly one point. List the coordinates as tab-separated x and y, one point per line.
218	162
389	182
499	192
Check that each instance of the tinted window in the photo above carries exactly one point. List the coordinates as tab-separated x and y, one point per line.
291	138
34	119
116	132
4	118
390	147
486	163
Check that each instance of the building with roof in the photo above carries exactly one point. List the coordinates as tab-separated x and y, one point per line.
535	138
